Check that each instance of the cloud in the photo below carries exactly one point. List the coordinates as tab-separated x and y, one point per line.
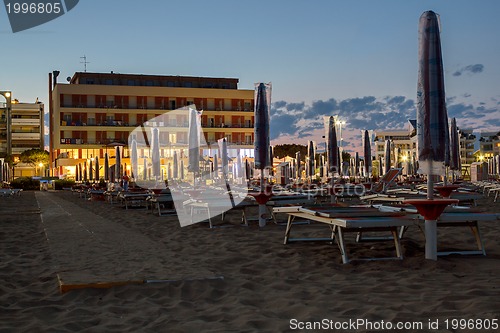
301	122
368	112
471	69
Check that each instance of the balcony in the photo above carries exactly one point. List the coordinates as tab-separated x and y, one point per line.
26	136
25	122
78	108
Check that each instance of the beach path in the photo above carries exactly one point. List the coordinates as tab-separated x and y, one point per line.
90	251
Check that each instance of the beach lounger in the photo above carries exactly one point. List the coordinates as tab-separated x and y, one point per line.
133	199
347	220
163	204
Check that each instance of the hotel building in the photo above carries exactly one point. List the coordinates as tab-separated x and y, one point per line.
95	111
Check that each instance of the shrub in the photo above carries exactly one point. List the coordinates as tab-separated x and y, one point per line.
25	183
59	184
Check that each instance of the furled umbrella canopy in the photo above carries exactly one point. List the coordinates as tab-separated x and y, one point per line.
216	166
311	153
194	141
262	122
223	156
297	167
387	156
97	173
91	174
432	119
155	153
367	153
134	159
176	166
454	146
331	146
118	163
106	166
85	171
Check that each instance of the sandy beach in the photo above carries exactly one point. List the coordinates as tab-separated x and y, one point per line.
227	279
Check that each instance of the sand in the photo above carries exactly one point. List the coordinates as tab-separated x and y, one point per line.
228	279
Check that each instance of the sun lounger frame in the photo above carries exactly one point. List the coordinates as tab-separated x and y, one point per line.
340	226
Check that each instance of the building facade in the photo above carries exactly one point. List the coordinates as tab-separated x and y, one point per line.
23	131
467	141
403	145
96	110
489	144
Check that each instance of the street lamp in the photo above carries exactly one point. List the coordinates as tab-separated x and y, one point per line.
8	118
339	124
40	165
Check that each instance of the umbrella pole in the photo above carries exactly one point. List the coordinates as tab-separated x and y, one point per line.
262	207
430	225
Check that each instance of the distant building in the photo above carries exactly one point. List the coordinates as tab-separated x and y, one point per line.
403	145
467	141
96	109
26	132
489	144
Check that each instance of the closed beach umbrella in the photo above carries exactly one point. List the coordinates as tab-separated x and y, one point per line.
106	166
97	176
223	156
297	167
454	146
367	153
262	138
145	168
194	142
1	172
216	166
118	162
432	119
85	171
331	146
387	156
356	165
91	174
77	179
247	170
239	165
155	153
80	172
134	159
431	104
176	166
271	161
311	159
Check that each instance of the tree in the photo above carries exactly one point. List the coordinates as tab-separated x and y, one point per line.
346	156
35	156
280	151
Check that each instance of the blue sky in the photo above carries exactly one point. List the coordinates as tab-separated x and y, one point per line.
353	58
